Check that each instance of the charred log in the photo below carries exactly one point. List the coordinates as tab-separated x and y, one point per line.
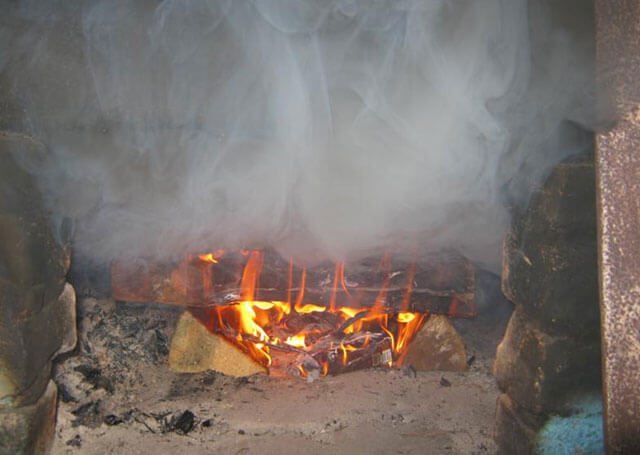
441	283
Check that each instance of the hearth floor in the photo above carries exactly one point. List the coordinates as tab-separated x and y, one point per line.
122	398
362	412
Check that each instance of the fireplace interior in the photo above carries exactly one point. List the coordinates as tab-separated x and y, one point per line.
225	227
170	371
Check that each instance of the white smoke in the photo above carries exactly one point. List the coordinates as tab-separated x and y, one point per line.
318	127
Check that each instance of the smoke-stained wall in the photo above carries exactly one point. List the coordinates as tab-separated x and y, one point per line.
318	127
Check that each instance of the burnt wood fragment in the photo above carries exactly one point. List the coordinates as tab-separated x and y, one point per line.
331	355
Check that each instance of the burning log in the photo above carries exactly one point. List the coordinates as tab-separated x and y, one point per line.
196	349
441	283
335	356
316	322
336	345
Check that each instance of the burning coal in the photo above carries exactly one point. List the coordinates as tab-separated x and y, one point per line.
321	128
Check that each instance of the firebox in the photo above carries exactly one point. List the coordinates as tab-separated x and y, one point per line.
330	227
330	317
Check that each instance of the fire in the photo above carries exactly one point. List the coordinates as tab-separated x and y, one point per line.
324	339
406	317
211	257
297	341
309	308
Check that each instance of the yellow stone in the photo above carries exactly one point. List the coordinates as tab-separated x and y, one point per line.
194	349
437	346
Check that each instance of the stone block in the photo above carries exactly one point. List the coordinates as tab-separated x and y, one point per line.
30	429
67	307
437	346
538	370
30	256
30	259
29	343
37	311
194	349
550	255
516	430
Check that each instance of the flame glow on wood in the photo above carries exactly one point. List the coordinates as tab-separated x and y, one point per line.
260	327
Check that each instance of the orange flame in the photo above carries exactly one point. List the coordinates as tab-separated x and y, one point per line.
211	257
297	341
256	324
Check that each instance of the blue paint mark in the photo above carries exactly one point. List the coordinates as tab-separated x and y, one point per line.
581	433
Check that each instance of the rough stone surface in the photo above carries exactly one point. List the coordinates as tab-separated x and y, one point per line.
516	429
37	307
30	344
550	256
30	429
29	254
194	349
551	348
35	315
67	307
437	346
539	370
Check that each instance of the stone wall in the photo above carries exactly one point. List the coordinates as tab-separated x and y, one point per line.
37	306
551	348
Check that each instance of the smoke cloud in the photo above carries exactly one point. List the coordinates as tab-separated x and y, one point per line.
322	128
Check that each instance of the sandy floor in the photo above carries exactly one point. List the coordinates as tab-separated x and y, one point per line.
369	412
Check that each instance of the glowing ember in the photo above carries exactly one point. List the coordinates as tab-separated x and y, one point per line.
211	257
317	339
297	341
